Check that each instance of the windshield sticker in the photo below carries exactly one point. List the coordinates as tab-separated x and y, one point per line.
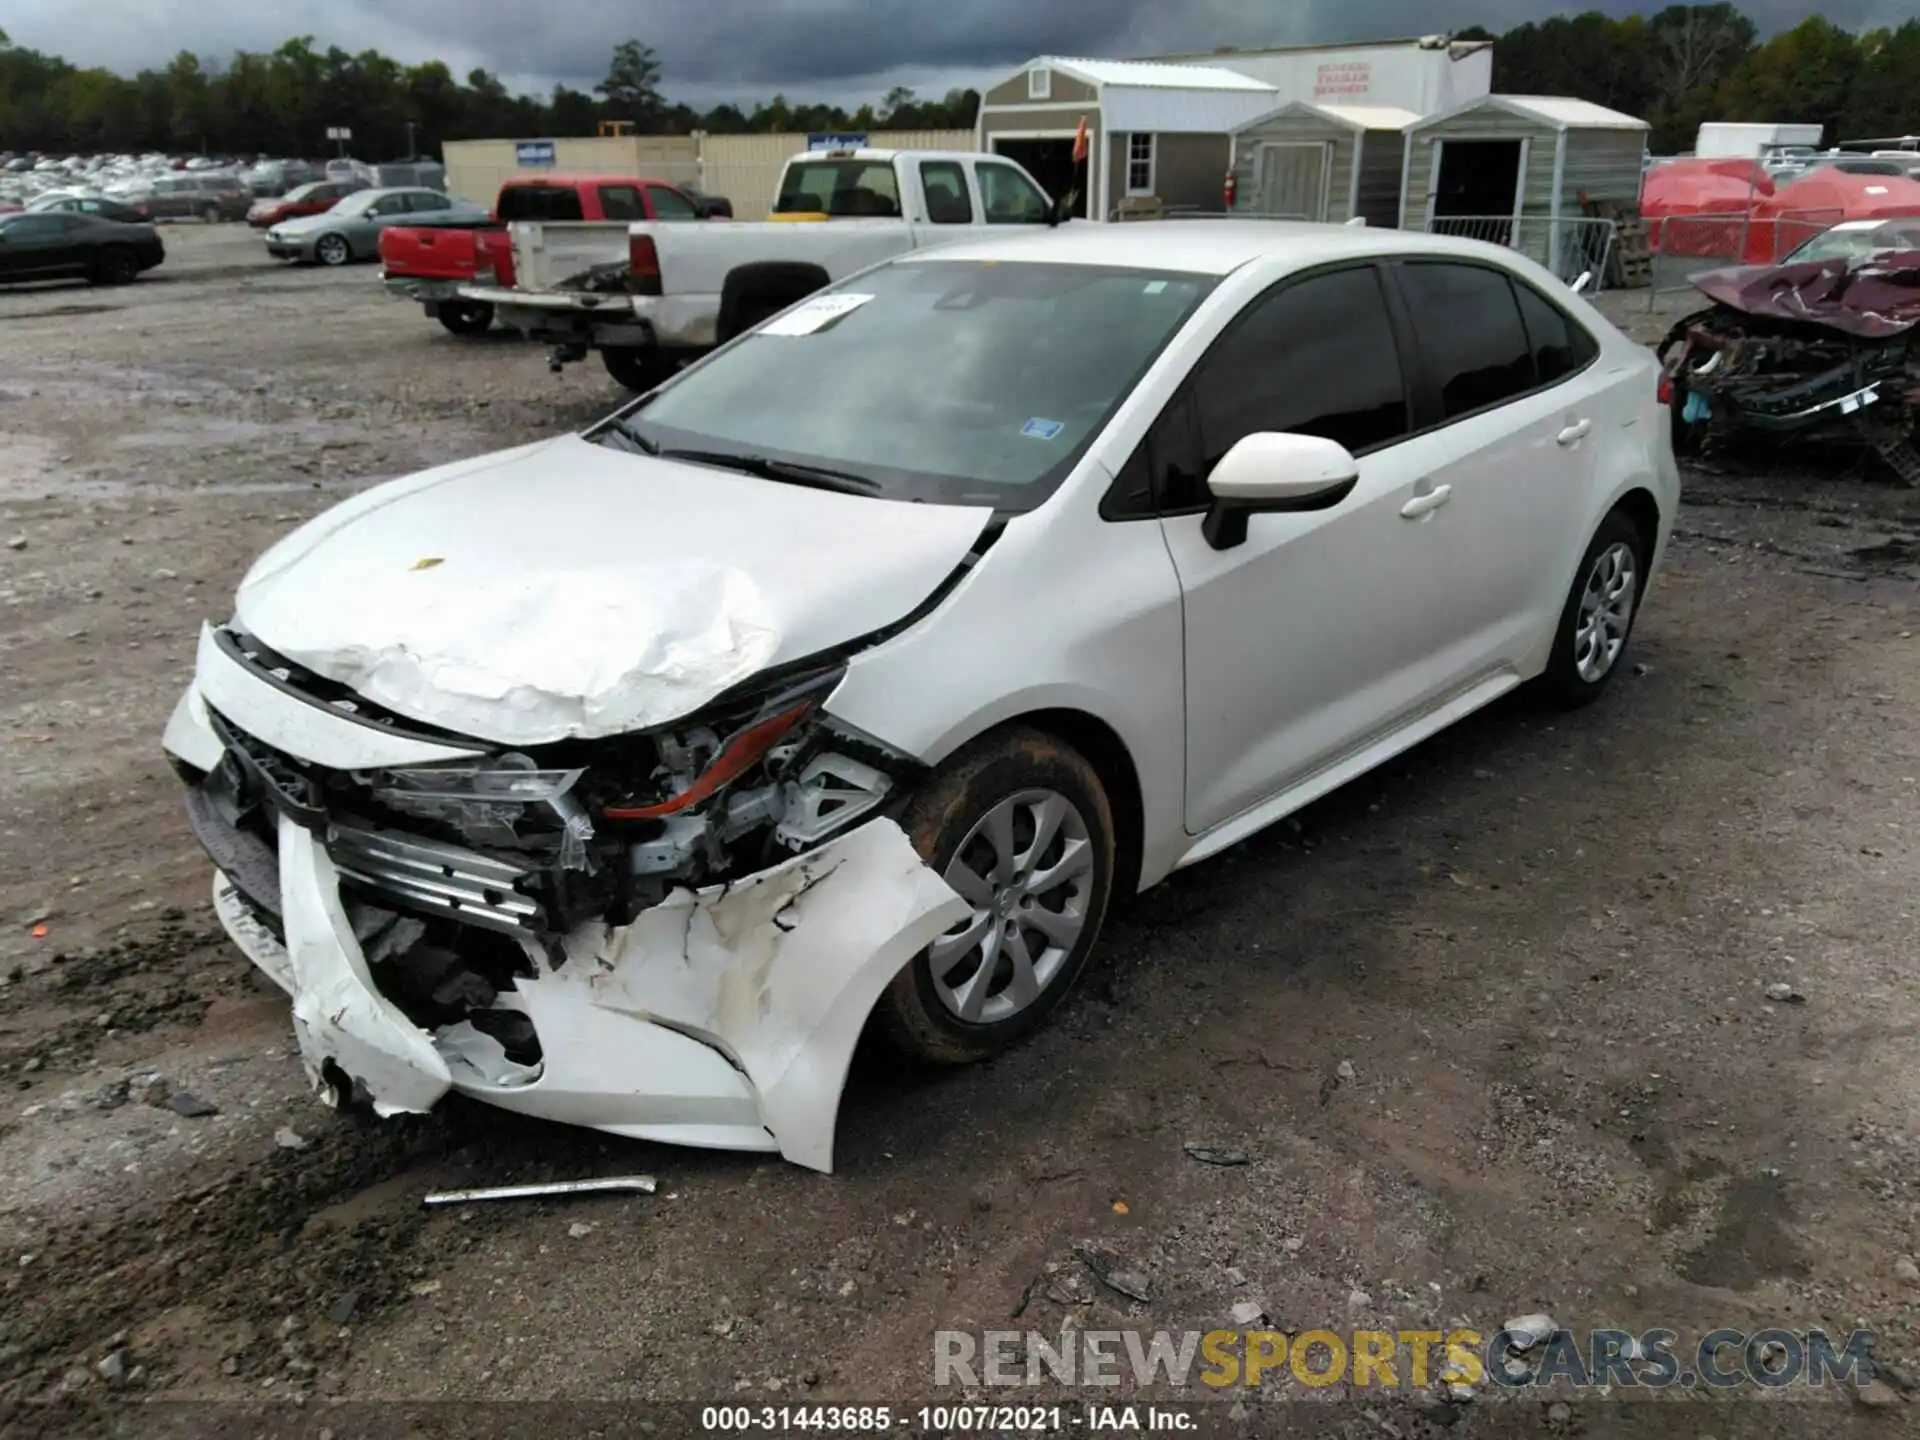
1042	429
1154	287
815	314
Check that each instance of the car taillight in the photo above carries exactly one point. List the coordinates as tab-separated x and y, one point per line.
1230	191
1666	390
643	265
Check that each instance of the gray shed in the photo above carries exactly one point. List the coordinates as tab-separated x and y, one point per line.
1157	134
1322	162
1515	169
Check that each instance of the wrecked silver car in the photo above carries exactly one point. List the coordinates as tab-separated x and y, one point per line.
1823	347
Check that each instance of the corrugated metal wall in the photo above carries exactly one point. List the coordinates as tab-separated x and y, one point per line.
1605	164
1289	130
1483	124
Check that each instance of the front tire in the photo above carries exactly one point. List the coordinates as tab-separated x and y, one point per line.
466	317
639	368
1020	826
1597	620
332	250
116	266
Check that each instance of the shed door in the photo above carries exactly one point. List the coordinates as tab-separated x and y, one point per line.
1293	180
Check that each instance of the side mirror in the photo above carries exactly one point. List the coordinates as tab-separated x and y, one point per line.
1269	472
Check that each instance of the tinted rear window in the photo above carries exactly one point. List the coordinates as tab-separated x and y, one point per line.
1468	327
540	202
1561	345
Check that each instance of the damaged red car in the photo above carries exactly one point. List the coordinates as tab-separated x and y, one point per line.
1823	347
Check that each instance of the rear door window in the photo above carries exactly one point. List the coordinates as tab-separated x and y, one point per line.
944	184
1561	344
540	202
1472	344
429	202
622	202
670	204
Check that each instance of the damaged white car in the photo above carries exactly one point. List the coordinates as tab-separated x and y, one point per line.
627	778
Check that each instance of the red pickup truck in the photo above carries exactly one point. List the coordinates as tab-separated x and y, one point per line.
429	263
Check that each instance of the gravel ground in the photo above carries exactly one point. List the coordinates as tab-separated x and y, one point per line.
1491	1027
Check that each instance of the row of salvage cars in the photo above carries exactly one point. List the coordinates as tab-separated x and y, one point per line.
844	680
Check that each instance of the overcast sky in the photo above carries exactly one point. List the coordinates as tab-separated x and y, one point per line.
833	50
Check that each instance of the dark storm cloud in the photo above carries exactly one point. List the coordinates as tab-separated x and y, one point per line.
805	47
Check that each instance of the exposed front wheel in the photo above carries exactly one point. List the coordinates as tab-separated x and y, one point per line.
639	368
466	317
1020	826
1599	614
332	250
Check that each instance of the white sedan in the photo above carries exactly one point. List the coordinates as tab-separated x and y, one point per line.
626	778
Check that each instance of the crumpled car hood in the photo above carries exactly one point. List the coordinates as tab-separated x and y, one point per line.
1873	300
567	590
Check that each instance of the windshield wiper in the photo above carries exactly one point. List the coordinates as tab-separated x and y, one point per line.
791	472
627	431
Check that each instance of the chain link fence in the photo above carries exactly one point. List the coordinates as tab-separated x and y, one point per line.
1683	246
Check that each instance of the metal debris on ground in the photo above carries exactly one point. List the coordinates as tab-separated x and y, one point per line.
1213	1155
1112	1271
632	1184
185	1102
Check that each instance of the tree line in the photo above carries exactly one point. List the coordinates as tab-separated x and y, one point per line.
1676	68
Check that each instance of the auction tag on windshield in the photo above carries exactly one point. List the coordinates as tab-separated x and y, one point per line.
815	314
1037	429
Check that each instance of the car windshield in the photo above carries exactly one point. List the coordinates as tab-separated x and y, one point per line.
1854	246
958	382
314	191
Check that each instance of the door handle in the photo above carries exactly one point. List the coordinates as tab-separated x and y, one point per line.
1574	433
1427	502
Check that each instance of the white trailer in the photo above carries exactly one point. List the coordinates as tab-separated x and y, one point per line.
1752	141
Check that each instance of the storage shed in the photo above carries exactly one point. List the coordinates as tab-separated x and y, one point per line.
1515	169
1322	162
1158	134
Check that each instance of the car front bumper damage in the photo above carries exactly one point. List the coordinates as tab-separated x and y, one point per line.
724	1016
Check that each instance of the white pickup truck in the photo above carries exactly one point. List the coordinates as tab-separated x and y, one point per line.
650	296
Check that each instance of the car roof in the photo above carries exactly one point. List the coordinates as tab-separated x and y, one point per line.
563	181
1205	247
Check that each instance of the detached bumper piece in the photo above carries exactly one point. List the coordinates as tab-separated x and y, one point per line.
724	1016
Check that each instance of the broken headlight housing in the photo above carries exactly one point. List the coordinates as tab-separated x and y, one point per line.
508	803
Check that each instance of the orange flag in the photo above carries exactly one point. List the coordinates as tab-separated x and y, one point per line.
1080	143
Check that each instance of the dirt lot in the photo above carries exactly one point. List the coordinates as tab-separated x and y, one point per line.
1491	1027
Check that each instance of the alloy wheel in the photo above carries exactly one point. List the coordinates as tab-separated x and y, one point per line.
1606	612
1026	868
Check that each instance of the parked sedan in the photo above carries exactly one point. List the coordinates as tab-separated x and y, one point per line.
105	206
313	199
62	245
842	681
351	229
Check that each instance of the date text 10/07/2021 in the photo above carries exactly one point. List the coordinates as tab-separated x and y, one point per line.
948	1419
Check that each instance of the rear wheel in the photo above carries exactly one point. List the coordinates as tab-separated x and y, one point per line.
639	368
466	317
332	250
1599	614
1020	826
116	266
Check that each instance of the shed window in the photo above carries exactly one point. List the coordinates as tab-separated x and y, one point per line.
1140	164
1040	84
